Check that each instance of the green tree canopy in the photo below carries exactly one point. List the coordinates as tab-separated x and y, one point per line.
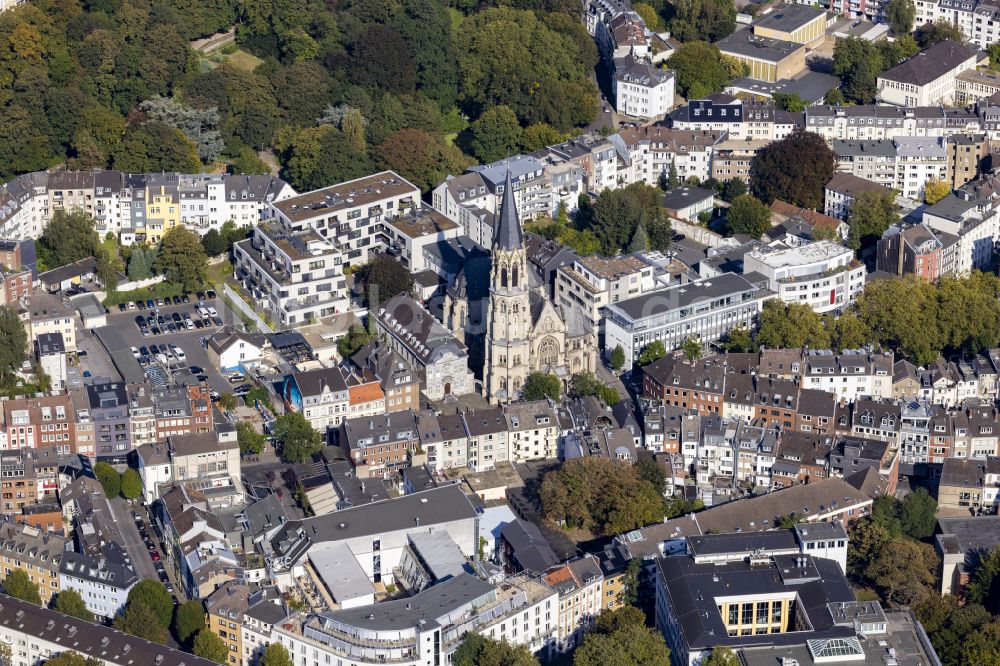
540	385
13	344
721	656
621	637
68	237
139	620
382	278
209	646
600	494
700	69
938	31
984	586
71	658
18	585
250	441
616	214
916	514
70	602
654	351
110	479
277	655
213	243
496	134
478	650
153	595
424	158
131	484
747	215
900	14
935	190
296	438
794	170
869	215
710	20
182	259
618	358
791	325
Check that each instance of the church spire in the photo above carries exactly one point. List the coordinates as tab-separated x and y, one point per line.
507	234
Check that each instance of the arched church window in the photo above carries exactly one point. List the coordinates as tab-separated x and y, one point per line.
548	352
517	383
503	383
516	308
503	307
503	276
513	282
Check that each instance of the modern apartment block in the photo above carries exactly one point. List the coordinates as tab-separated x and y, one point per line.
823	275
703	310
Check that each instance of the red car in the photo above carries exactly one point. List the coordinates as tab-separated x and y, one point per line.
155	555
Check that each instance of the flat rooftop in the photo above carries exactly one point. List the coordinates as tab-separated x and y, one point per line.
805	254
745	44
789	18
345	196
421	221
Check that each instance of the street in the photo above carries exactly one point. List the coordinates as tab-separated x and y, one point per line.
133	540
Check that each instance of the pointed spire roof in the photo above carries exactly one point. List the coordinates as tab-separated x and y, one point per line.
507	234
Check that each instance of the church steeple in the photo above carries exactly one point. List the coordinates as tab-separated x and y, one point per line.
508	235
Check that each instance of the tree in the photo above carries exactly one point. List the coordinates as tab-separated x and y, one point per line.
277	655
848	332
109	267
721	656
182	259
600	494
67	658
916	514
540	385
131	484
295	437
383	278
70	602
246	161
903	571
789	102
13	343
935	190
622	637
209	646
869	215
537	66
140	620
614	217
903	315
984	587
794	170
692	349
423	158
478	650
495	134
199	125
649	470
213	243
251	442
654	351
356	338
18	585
983	646
732	188
938	31
68	237
700	69
155	146
617	358
738	340
710	20
640	239
749	216
140	264
791	326
834	97
153	595
227	402
110	479
538	136
900	14
858	63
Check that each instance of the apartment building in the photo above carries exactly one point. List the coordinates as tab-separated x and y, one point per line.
103	421
967	155
588	284
49	314
294	275
35	552
850	375
399	380
913	249
823	275
225	610
380	445
878	122
649	151
970	484
979	21
533	430
321	396
642	90
927	78
974	85
581	599
32	423
904	164
703	310
103	579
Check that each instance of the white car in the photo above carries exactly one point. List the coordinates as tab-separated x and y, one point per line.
212	312
135	351
178	352
203	311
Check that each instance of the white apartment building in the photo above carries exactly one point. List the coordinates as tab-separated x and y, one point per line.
533	430
919	159
103	581
927	78
48	314
590	283
823	275
850	375
425	628
642	90
978	20
295	275
322	396
976	226
406	235
703	310
649	150
348	215
880	122
580	584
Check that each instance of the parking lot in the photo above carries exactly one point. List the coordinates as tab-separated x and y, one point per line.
188	340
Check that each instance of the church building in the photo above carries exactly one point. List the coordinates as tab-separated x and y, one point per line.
524	331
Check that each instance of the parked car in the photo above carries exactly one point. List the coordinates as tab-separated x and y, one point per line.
195	369
135	352
212	312
87	374
177	300
185	298
241	390
210	294
178	352
122	307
